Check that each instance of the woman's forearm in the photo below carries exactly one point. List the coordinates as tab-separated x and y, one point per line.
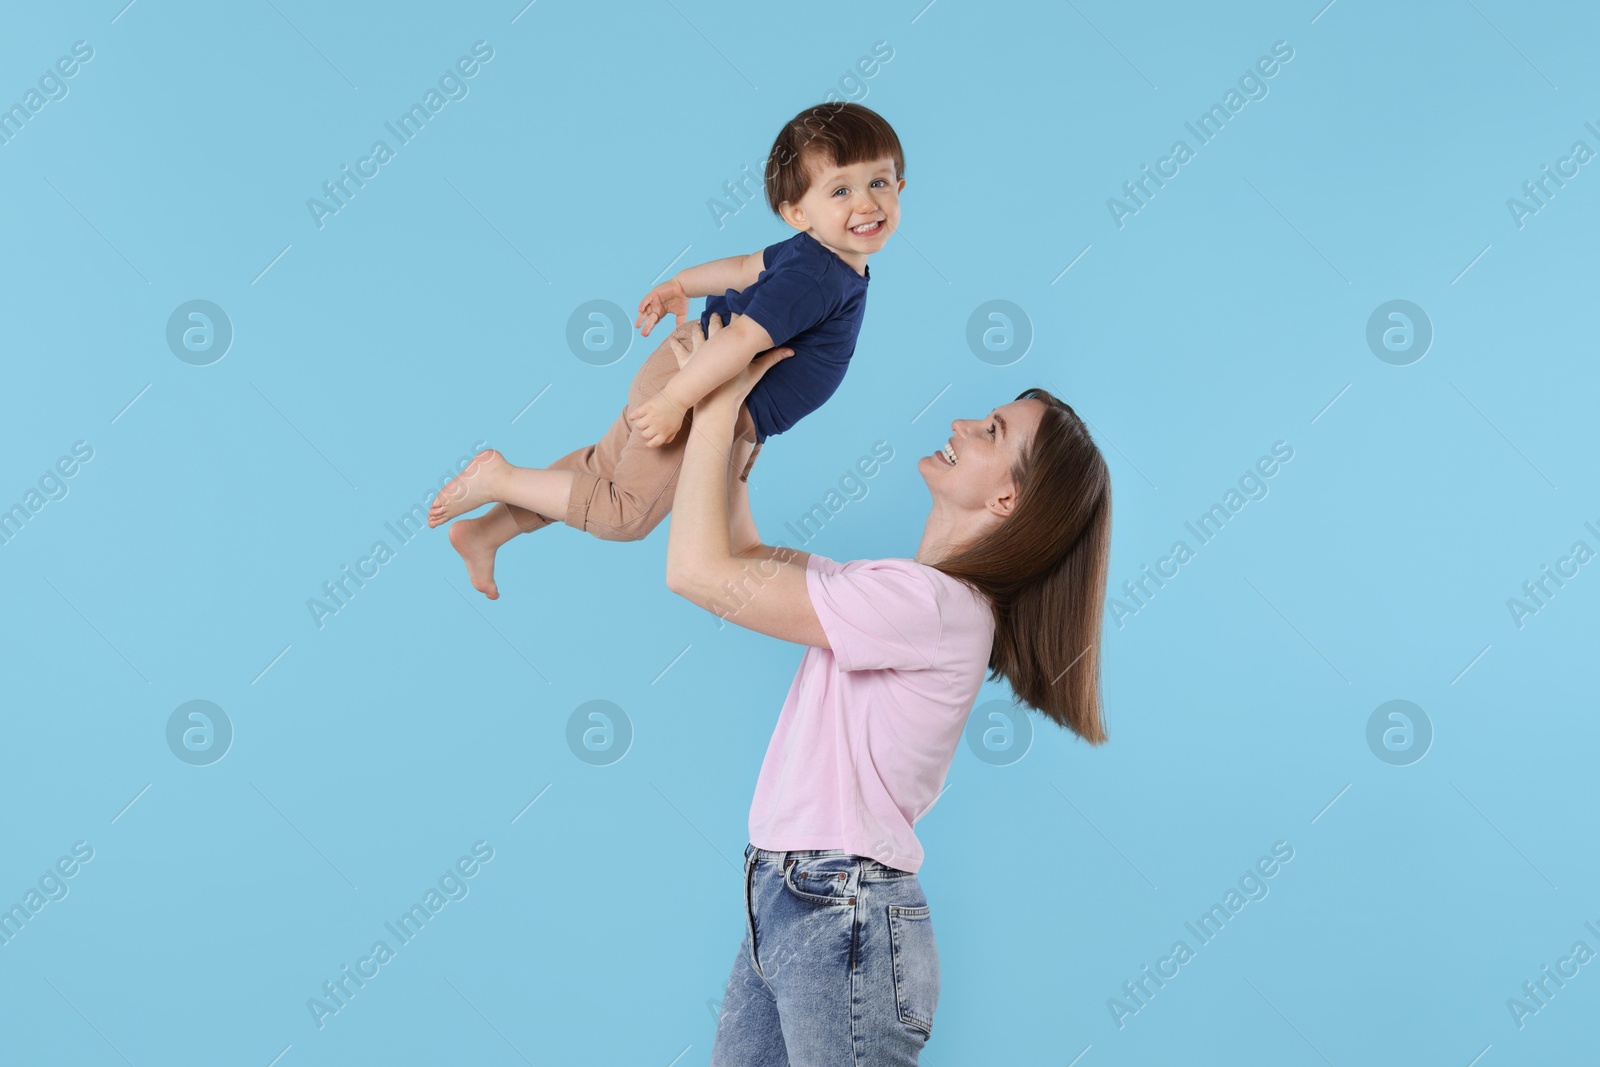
698	541
744	540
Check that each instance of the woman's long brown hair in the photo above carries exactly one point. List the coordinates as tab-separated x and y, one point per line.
1044	572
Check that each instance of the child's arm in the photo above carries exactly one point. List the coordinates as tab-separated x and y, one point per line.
672	296
720	275
716	360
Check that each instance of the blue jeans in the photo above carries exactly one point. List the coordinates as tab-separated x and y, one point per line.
838	965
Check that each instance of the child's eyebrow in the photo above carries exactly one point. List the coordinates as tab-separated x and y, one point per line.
838	175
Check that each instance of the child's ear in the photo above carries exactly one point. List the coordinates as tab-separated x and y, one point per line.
902	186
794	215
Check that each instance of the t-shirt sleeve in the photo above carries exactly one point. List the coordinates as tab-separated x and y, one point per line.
787	303
771	253
877	614
815	562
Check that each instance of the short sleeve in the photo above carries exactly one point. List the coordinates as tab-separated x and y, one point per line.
773	252
877	614
815	562
787	303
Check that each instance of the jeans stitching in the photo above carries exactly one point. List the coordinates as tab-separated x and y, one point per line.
898	913
814	898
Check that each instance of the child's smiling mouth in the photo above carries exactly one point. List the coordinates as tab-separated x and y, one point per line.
868	229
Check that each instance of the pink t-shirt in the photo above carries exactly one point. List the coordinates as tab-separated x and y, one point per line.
871	724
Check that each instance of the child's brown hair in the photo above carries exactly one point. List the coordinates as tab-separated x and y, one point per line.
838	133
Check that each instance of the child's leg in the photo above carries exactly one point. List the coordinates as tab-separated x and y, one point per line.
477	540
628	489
640	491
600	458
596	459
536	497
622	488
616	489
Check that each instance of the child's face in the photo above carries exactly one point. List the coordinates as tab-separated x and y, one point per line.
852	209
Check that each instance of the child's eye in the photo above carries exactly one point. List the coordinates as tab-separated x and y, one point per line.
839	190
880	181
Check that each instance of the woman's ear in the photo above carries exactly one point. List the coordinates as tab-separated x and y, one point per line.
1004	502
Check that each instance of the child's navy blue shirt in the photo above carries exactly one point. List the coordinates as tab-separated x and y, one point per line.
807	299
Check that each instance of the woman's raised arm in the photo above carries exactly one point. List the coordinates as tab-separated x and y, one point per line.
743	538
758	590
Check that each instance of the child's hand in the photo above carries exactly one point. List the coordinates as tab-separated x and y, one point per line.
668	298
658	420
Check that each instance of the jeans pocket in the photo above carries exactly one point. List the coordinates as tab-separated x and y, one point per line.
915	955
828	880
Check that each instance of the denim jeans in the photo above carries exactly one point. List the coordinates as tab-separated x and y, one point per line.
838	965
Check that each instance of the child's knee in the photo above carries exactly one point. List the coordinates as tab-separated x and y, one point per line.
630	529
631	522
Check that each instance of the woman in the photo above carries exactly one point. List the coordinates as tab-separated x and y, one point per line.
839	962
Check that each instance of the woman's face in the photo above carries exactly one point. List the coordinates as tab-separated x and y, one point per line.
985	451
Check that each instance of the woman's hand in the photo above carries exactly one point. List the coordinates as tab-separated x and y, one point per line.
687	339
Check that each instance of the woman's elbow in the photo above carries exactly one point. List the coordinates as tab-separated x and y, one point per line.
675	579
681	579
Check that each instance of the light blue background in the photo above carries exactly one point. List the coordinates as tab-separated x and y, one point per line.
1228	314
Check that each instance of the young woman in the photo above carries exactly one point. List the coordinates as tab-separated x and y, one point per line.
839	964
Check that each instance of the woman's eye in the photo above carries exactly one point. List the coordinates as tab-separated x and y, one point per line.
991	429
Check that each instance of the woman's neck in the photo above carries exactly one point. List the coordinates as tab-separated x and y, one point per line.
949	530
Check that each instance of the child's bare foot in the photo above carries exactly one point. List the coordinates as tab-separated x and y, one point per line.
477	547
471	489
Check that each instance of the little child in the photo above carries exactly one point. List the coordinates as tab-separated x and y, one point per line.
835	174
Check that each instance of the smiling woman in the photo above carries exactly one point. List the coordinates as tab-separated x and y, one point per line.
1010	577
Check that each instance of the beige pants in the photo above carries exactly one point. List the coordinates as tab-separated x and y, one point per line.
621	487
